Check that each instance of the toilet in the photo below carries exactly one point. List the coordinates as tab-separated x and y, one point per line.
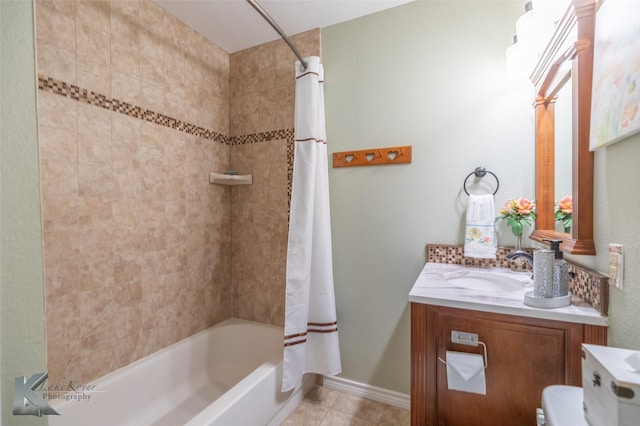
610	392
562	406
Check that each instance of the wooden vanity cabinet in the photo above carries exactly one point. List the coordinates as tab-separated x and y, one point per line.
524	355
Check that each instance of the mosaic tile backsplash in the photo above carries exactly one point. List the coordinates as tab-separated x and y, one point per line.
135	109
587	286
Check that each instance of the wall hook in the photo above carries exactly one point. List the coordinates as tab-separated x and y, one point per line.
375	156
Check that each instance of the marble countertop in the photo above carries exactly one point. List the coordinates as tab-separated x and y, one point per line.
432	288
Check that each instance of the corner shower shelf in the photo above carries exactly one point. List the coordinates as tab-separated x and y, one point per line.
230	179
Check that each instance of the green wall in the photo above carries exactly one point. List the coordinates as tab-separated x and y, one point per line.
617	203
432	75
22	345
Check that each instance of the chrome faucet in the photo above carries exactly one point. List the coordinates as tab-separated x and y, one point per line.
521	253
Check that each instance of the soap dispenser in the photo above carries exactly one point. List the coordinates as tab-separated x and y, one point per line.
560	271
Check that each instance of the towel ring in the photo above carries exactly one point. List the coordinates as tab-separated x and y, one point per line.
480	172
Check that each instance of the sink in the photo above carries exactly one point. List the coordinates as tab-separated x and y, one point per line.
485	281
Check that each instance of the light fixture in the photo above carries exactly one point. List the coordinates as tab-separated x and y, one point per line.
533	29
525	29
515	63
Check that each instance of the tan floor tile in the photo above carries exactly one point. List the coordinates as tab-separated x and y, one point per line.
326	407
323	396
338	418
395	416
306	414
359	407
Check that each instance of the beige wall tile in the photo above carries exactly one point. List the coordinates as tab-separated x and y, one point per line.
58	178
60	212
96	180
124	20
58	144
138	244
61	264
152	60
56	26
57	111
125	57
95	271
94	121
94	212
57	62
125	88
94	14
93	59
94	150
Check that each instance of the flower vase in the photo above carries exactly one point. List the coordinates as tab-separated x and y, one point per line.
520	263
519	243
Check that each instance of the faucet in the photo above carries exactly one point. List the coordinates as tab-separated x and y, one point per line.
521	253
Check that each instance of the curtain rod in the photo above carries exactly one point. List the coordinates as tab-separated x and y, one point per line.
275	26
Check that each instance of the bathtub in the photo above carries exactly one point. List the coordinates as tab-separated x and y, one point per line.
229	374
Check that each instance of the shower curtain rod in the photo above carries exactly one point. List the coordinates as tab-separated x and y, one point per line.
276	27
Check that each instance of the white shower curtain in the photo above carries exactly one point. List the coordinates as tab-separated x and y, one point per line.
310	328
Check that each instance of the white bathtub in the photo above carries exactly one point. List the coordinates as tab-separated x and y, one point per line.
229	374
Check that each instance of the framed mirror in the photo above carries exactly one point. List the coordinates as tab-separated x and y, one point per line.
565	70
563	131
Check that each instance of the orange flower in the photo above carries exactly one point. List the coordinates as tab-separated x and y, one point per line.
566	205
507	207
518	213
523	206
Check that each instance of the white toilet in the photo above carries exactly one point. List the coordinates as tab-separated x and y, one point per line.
610	392
562	406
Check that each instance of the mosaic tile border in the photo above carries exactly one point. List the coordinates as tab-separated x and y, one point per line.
96	99
262	137
454	254
587	286
79	94
591	287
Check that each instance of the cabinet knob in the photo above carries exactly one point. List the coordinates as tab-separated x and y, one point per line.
596	379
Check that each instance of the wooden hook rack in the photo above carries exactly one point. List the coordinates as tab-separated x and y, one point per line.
373	157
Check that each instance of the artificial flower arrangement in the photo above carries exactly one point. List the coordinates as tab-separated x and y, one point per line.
519	212
564	213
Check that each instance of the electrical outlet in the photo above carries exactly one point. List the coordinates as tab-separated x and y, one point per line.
616	266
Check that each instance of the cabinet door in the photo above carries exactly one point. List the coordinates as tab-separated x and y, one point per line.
522	361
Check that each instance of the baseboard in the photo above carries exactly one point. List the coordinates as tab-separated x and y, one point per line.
374	393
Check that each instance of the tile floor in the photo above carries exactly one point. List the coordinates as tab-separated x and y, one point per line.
329	407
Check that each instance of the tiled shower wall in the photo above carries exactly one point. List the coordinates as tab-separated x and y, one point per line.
134	112
262	86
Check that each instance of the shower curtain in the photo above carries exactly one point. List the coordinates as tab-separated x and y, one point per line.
310	328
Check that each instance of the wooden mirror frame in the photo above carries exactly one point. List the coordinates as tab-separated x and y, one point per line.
568	55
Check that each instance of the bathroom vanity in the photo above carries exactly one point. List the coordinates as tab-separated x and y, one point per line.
527	348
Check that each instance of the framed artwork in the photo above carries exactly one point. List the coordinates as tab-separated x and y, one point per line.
615	99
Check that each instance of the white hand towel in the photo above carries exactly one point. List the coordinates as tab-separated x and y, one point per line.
465	372
480	230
